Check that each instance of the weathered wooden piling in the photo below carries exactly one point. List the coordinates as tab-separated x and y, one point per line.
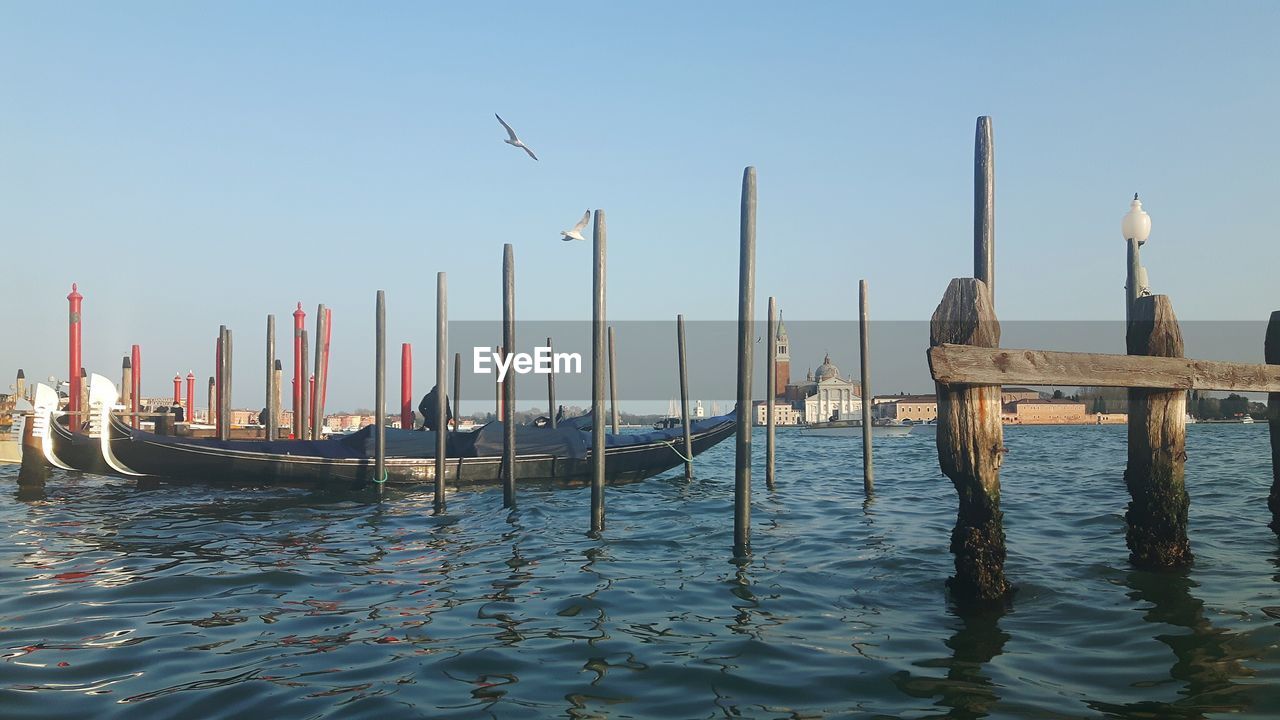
613	385
746	341
1157	515
380	393
213	400
83	419
299	373
771	392
126	387
497	386
317	395
135	371
278	387
272	397
406	386
551	387
509	384
224	409
684	399
457	389
599	243
864	345
218	367
442	384
1271	349
1132	284
971	446
984	206
304	426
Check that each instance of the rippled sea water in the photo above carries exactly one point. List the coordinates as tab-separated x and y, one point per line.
198	601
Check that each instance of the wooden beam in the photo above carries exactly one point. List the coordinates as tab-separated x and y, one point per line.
969	365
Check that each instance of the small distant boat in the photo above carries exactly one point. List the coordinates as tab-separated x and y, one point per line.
1246	420
849	428
1191	420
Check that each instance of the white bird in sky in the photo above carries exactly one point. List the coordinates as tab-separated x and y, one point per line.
576	232
513	140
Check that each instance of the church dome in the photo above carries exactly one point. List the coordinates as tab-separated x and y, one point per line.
826	370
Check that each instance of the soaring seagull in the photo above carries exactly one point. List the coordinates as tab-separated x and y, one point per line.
576	232
513	140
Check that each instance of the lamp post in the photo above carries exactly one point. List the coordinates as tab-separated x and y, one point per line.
1136	227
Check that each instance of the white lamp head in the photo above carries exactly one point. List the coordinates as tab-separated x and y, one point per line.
1137	223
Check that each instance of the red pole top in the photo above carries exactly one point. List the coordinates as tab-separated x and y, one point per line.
191	375
75	295
299	315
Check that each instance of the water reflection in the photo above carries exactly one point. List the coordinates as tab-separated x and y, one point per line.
966	690
1207	659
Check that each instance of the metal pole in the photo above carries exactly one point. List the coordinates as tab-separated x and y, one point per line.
684	399
746	316
380	393
509	384
226	380
1131	285
864	339
984	206
457	389
551	386
613	383
599	243
270	419
442	383
771	393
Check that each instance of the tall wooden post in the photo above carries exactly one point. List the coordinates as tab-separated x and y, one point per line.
406	386
551	386
278	385
224	409
497	386
126	387
317	394
613	384
272	397
1132	285
1271	349
457	389
135	371
303	422
380	394
864	342
599	242
83	419
213	402
299	373
746	341
1157	514
684	399
442	383
971	446
219	367
771	392
509	384
984	206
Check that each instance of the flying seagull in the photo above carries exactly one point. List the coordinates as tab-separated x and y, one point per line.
513	140
576	232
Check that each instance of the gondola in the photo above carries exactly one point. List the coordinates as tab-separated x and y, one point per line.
561	455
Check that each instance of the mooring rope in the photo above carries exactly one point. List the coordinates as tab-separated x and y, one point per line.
671	445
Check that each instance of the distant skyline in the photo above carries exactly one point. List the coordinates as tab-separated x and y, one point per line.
196	165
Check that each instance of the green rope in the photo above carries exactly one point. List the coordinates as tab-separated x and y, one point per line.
384	477
680	455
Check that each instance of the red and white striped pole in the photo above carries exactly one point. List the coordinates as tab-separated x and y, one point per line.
74	360
406	386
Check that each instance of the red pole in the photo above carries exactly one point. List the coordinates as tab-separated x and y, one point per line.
191	397
136	367
177	389
73	359
406	386
299	322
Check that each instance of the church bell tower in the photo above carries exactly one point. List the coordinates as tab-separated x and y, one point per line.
782	371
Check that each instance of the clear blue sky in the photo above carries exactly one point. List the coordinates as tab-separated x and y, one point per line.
195	165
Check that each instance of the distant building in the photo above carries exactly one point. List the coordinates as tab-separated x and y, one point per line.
1042	411
820	397
916	408
783	413
1014	394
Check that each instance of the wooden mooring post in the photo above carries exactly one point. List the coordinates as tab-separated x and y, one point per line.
509	384
864	344
599	242
224	390
746	342
317	395
304	427
457	389
442	384
1271	348
1156	519
379	391
684	399
971	446
770	392
984	205
613	385
551	387
272	396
